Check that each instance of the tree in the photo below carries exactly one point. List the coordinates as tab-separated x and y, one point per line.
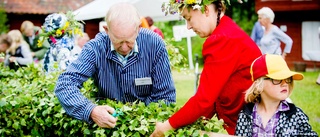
3	20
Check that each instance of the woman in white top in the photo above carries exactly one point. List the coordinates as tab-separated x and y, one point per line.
272	37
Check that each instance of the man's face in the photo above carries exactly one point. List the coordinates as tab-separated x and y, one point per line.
28	32
122	37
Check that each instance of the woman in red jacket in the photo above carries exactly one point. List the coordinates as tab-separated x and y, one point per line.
228	53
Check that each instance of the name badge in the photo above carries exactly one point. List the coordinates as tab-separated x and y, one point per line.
143	81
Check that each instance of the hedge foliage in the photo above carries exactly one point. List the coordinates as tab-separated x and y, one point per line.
29	107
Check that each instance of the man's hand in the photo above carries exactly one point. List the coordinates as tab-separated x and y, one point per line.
161	128
101	115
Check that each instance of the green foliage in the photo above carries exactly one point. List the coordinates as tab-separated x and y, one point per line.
177	60
196	41
3	20
28	107
243	14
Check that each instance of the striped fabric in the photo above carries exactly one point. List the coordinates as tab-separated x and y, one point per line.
114	80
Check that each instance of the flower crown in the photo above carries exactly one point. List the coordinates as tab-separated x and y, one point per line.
57	25
172	7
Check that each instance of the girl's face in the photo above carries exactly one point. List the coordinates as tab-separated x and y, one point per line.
201	23
3	47
276	90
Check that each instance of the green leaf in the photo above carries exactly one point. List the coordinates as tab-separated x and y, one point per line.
23	122
3	102
13	103
16	125
86	131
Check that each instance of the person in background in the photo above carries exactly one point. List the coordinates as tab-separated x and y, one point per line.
273	36
62	29
154	28
5	43
17	50
127	64
267	112
31	35
80	42
228	52
144	23
257	33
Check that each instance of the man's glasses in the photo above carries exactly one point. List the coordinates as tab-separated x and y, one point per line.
277	82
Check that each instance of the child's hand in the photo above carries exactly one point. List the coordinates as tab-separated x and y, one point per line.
12	59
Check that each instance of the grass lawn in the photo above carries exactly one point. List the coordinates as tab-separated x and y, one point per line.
305	94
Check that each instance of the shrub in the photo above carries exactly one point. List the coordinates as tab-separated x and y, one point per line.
28	107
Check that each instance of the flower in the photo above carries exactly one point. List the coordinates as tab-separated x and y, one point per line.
57	25
172	7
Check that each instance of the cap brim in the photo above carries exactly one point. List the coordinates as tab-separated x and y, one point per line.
286	74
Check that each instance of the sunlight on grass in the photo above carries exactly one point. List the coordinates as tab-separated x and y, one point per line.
184	83
305	95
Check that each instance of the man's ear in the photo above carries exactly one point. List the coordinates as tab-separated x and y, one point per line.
105	28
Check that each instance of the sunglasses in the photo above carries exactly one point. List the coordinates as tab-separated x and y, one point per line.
277	82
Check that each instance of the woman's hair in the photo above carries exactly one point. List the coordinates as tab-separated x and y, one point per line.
17	40
26	25
125	13
219	5
267	12
149	20
253	94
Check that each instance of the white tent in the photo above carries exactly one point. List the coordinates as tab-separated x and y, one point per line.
98	9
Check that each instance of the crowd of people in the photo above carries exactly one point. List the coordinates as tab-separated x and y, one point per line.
245	81
21	47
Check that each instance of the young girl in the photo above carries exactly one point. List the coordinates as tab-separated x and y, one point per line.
267	112
18	53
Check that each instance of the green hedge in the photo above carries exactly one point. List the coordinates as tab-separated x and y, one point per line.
28	107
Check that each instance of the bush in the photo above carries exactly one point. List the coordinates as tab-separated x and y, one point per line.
28	107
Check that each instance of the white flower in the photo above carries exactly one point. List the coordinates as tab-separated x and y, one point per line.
197	6
198	1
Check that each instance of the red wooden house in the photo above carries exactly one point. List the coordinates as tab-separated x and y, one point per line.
300	19
36	10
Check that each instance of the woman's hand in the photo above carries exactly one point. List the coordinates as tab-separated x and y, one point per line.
161	128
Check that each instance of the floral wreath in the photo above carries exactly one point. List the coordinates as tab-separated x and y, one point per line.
57	25
172	7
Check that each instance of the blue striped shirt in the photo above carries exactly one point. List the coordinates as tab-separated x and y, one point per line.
115	80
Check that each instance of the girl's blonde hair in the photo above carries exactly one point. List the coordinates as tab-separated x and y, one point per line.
253	94
17	41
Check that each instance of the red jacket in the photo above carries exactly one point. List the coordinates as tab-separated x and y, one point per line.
228	54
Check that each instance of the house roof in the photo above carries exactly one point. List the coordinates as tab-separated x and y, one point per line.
41	6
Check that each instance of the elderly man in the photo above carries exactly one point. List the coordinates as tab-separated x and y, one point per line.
128	63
